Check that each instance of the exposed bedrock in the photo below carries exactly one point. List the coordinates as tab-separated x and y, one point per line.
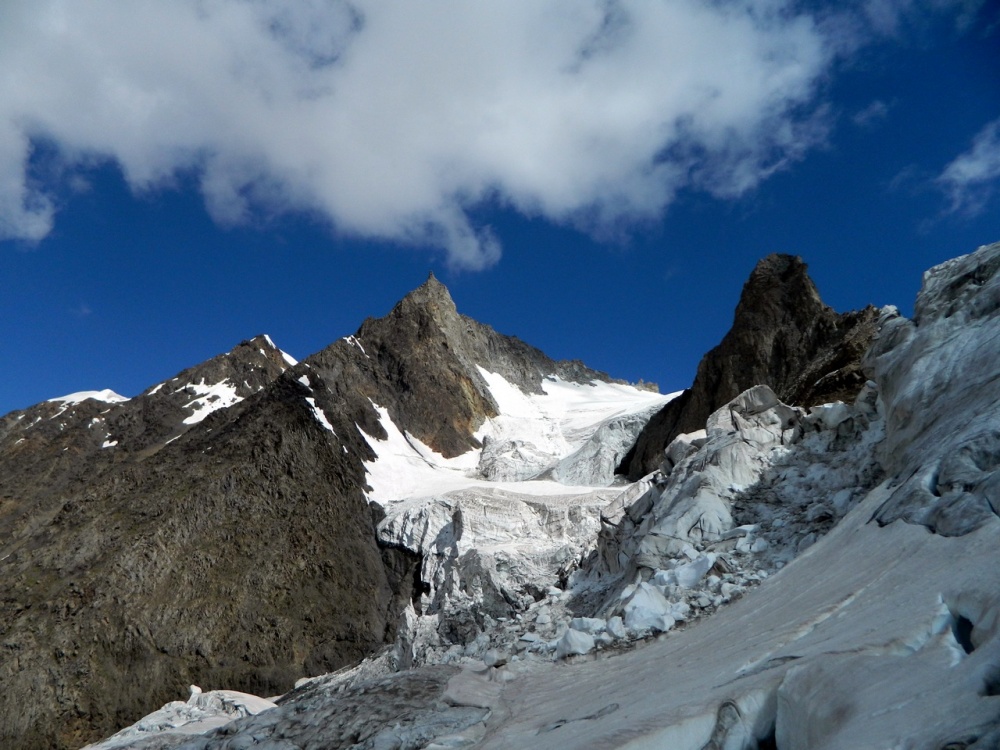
783	336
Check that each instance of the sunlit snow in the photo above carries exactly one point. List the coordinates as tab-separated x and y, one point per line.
210	398
566	415
289	359
320	416
556	423
107	395
353	341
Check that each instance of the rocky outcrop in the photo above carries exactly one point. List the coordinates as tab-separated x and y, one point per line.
214	529
240	555
47	447
783	336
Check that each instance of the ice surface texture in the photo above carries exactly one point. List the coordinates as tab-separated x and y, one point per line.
872	632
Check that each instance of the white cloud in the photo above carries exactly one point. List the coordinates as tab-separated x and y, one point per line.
393	119
971	178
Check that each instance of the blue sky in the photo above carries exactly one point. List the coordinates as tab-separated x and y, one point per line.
597	178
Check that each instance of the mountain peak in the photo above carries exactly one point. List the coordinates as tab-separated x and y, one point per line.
783	336
431	294
779	284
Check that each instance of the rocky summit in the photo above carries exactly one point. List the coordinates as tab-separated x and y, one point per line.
417	538
783	336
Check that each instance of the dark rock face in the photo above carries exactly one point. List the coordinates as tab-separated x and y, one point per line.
420	362
783	336
240	553
237	551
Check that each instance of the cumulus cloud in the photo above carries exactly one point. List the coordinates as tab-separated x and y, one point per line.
971	178
394	119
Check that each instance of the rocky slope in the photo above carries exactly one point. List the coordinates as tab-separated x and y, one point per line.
783	336
823	578
147	559
215	529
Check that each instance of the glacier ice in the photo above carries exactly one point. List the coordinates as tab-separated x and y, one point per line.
837	618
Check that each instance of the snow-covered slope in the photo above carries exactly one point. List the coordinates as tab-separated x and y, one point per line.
495	527
827	579
540	437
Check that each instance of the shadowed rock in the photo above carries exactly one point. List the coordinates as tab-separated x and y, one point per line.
783	336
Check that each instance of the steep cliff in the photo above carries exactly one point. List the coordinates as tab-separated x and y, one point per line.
783	336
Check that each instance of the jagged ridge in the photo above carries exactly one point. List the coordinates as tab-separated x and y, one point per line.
783	336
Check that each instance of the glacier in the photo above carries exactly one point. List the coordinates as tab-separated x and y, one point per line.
788	578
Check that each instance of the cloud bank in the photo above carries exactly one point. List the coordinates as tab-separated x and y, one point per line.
394	120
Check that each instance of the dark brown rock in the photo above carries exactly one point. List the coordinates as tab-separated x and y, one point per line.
782	336
241	555
237	552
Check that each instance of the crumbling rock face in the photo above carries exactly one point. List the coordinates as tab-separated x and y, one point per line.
783	336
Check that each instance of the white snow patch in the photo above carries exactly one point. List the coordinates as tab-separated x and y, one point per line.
575	433
353	340
210	398
320	416
107	396
109	444
555	424
406	469
566	415
574	409
289	359
305	381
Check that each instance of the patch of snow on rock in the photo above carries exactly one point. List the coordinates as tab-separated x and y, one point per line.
319	415
107	396
209	398
289	359
353	341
